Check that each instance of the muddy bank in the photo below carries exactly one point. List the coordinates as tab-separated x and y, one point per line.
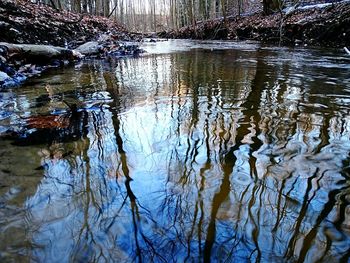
320	25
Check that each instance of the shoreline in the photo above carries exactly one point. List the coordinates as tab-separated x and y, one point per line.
66	37
321	25
36	37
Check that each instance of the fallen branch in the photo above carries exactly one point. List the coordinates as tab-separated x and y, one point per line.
347	50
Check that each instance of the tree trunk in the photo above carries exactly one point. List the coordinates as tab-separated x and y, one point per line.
270	6
106	8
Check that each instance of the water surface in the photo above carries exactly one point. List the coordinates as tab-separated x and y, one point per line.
195	151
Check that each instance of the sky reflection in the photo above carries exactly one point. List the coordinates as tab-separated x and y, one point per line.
220	155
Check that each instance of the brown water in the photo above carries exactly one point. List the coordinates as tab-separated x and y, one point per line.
196	151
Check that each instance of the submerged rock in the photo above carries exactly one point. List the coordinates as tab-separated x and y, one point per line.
7	81
125	49
108	47
4	77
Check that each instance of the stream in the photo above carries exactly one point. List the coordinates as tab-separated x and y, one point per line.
196	151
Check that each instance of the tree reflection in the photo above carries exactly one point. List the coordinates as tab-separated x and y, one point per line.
200	156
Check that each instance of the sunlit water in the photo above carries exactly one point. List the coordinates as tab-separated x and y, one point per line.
195	151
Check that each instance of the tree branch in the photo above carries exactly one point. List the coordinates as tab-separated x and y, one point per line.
347	50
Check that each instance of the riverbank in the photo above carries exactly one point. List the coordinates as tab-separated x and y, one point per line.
24	22
18	62
56	38
320	25
49	38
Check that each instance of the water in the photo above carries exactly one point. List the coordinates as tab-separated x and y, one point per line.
196	151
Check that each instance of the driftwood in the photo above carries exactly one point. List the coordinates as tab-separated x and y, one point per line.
347	50
39	53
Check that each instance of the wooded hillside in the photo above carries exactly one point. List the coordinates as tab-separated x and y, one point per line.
320	25
25	22
160	15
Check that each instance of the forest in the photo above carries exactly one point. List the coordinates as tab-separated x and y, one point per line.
153	15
